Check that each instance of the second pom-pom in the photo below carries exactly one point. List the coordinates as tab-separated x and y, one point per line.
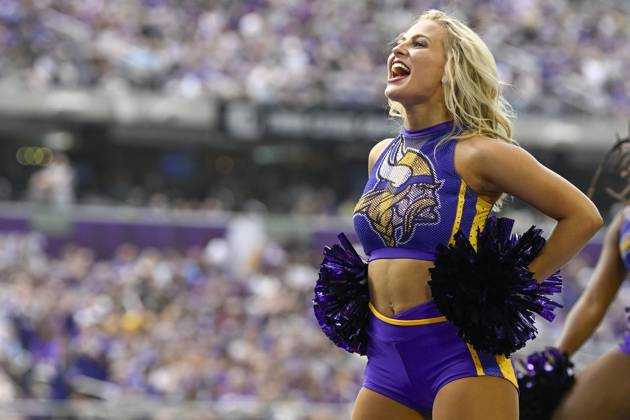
487	291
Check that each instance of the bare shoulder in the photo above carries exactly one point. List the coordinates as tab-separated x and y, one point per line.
378	148
475	156
376	151
486	148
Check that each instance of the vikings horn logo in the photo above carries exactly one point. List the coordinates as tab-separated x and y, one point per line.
403	197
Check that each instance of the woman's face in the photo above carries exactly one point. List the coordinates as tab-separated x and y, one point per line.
416	65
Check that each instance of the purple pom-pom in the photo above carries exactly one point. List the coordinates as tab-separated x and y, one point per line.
342	296
625	345
544	379
489	294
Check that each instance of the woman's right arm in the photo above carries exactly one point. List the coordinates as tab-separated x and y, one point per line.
591	307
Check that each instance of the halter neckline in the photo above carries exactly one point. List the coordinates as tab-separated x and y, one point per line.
441	128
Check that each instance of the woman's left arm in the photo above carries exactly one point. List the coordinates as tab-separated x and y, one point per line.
502	167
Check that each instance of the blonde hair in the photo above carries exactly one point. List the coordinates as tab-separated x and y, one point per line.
471	86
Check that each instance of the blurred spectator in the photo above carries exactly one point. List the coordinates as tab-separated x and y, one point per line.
246	238
54	183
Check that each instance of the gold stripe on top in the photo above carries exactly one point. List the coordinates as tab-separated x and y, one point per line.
405	322
476	360
482	208
460	210
507	369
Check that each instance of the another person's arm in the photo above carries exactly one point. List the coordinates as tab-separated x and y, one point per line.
590	309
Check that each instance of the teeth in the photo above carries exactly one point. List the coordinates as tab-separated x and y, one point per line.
400	65
399	69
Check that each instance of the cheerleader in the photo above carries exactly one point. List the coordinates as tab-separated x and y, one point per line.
432	185
601	391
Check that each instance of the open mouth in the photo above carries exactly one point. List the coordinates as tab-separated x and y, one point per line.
398	71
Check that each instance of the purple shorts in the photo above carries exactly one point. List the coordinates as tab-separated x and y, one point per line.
625	345
413	354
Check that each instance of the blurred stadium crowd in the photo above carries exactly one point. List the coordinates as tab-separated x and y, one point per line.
309	51
164	324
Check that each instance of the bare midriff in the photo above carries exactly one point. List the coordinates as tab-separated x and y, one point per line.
398	284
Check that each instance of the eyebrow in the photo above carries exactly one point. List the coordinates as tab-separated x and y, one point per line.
401	37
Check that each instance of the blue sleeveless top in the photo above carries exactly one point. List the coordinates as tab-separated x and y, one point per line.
414	199
624	239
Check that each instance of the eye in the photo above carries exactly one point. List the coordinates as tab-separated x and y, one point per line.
420	43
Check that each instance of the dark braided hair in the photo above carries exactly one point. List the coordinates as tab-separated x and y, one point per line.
617	159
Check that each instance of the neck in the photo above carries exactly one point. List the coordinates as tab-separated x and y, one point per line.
425	115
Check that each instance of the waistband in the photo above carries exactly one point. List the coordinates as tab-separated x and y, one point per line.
423	314
391	252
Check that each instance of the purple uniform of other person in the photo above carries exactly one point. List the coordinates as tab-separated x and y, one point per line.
624	252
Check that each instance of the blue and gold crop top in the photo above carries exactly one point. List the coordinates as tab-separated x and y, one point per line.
624	239
414	198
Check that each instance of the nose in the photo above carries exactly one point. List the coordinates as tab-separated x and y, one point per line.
399	49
